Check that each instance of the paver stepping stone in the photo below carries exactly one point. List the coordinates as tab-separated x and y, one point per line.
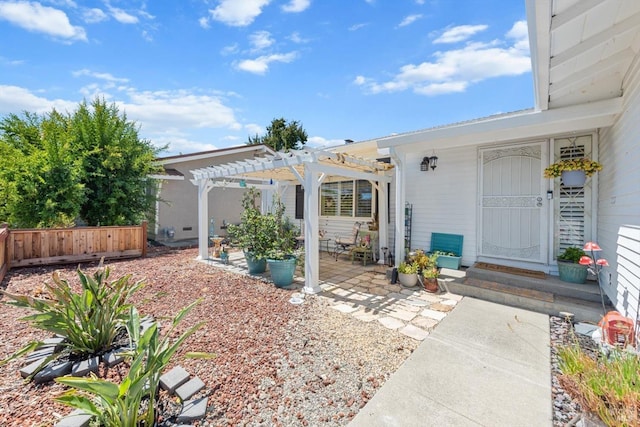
114	356
424	322
174	379
391	323
433	314
402	314
51	371
39	354
83	367
452	296
441	307
344	308
30	368
450	302
416	302
77	418
365	316
193	410
189	388
414	332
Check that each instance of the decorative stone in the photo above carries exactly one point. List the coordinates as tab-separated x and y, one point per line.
414	332
189	388
83	367
173	379
114	357
51	371
30	368
437	315
77	418
55	342
39	354
193	410
391	323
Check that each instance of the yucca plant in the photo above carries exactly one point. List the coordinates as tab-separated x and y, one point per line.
114	405
90	320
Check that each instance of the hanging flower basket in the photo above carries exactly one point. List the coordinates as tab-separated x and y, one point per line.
573	178
588	166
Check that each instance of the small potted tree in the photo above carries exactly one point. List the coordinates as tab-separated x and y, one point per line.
569	267
281	256
254	234
408	274
430	273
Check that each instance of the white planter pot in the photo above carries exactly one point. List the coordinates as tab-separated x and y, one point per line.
408	280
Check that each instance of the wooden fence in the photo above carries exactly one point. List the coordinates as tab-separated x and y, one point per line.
4	252
28	247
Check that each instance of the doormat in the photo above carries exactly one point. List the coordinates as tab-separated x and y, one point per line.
511	270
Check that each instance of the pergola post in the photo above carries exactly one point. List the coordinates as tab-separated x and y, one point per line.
203	213
399	163
311	230
383	219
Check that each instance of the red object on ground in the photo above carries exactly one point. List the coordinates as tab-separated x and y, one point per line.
617	329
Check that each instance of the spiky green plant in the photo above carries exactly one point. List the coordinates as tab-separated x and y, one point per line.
89	320
114	405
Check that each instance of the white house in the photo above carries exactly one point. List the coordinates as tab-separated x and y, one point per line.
489	184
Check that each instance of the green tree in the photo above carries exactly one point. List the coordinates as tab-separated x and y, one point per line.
116	164
282	136
91	164
39	172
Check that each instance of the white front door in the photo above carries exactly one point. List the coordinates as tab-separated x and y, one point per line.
513	205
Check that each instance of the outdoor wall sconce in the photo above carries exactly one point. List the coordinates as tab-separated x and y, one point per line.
429	162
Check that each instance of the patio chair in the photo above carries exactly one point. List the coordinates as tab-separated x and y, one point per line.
344	244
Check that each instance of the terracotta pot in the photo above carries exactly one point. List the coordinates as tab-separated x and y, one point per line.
431	284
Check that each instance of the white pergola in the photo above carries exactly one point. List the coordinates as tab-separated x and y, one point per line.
310	168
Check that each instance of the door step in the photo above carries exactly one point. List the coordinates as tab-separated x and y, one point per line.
549	296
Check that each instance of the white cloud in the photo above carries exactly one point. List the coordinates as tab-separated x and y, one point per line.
32	16
297	38
295	6
320	142
409	20
254	129
261	40
229	50
101	76
520	34
14	99
260	65
455	70
459	33
356	27
204	22
122	17
178	142
94	15
238	13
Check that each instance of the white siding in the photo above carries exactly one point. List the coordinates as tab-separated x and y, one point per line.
444	200
619	201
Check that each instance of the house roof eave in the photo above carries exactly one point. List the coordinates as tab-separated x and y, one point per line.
533	124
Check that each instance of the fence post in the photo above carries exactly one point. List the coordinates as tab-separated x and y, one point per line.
144	239
4	243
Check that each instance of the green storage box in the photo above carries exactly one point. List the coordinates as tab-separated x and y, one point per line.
448	243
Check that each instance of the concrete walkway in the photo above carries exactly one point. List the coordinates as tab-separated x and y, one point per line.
484	365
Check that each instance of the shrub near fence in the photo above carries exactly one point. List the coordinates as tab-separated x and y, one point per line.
28	247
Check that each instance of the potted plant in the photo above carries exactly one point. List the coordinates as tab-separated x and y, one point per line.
280	256
573	171
430	279
569	267
254	234
408	274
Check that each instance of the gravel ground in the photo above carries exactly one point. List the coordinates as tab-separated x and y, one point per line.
276	363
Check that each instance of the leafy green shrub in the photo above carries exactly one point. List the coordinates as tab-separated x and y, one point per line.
408	268
571	254
118	405
90	320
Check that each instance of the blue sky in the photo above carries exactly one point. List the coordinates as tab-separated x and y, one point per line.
205	74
